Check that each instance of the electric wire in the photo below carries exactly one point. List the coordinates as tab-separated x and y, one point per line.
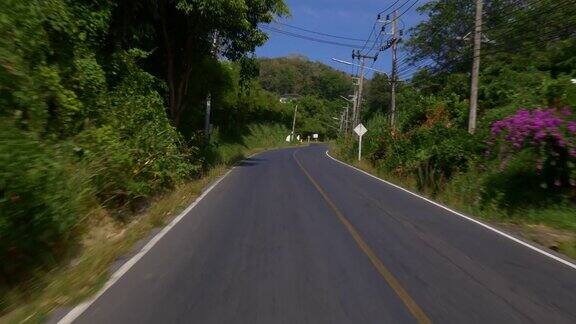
320	33
318	40
390	6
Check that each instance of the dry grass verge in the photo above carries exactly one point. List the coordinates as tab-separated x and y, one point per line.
103	241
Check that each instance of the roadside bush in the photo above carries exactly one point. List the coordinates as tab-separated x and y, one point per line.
435	154
266	135
378	139
516	185
40	200
258	136
136	153
549	135
430	155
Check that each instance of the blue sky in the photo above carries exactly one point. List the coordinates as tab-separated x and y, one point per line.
348	18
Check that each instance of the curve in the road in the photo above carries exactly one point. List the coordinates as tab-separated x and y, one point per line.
262	245
412	306
548	254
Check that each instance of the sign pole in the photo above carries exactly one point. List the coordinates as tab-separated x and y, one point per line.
360	130
360	149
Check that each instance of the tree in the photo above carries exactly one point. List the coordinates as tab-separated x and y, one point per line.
181	33
297	75
377	96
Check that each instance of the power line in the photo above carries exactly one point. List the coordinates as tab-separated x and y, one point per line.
548	37
395	19
390	6
407	9
376	43
530	8
402	5
415	68
320	33
509	30
369	36
513	26
538	39
404	60
318	40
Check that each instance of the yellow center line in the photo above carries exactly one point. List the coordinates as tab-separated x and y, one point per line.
414	309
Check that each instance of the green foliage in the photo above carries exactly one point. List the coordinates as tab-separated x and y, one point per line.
91	94
265	135
501	185
49	75
377	96
529	62
137	152
317	90
257	136
433	155
182	36
315	115
296	75
379	140
41	199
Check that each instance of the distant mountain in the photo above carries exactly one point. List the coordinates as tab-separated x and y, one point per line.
297	75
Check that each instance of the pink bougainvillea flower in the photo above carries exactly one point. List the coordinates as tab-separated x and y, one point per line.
551	132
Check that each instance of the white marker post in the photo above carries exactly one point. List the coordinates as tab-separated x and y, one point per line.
360	130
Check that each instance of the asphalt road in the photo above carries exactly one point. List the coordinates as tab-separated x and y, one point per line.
292	236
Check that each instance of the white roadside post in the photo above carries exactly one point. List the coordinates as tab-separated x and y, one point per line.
360	130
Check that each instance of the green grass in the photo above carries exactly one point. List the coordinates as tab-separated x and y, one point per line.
259	137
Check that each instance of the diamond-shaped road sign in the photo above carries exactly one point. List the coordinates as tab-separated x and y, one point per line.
360	130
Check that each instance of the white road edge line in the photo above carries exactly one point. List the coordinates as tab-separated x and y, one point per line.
81	308
508	236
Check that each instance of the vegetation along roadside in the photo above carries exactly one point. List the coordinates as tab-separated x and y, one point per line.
518	169
103	133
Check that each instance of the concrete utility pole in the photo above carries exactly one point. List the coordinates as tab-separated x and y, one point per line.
207	128
354	105
342	120
395	40
346	118
360	88
293	136
354	101
358	107
475	67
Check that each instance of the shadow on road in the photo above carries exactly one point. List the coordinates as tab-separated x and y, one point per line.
250	162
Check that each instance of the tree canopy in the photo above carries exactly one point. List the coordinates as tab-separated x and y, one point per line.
102	106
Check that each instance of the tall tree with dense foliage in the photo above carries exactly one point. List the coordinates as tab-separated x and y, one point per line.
182	34
91	95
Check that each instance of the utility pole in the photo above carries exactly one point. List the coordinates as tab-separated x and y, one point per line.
394	70
346	119
358	107
292	136
207	128
342	128
475	67
355	96
342	121
354	105
360	88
